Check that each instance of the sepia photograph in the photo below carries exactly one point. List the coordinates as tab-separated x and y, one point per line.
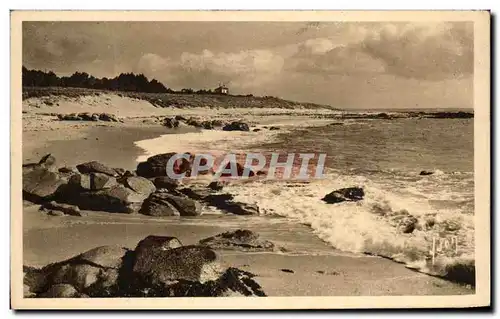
158	157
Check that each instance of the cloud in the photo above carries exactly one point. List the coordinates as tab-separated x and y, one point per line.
244	70
426	51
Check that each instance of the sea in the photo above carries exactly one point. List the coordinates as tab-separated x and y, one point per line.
385	158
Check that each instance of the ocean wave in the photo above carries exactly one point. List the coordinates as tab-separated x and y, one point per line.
369	226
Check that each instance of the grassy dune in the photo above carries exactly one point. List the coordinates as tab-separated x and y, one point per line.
178	100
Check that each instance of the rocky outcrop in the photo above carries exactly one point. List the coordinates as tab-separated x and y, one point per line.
165	204
86	116
157	165
117	199
351	194
224	202
158	267
41	184
241	239
236	126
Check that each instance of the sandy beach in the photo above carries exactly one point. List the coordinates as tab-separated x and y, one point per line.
306	267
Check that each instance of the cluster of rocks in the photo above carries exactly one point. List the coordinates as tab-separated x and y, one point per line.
87	116
241	239
148	190
159	266
173	122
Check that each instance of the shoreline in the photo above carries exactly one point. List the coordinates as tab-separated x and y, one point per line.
53	236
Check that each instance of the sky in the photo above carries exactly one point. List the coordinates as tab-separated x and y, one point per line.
343	64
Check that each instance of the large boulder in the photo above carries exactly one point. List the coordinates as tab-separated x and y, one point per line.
117	199
157	266
92	181
41	184
352	194
104	256
236	126
165	204
95	167
94	273
241	239
157	165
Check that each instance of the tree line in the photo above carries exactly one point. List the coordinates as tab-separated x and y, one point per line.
124	82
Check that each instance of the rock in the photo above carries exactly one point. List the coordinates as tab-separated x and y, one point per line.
170	122
236	126
165	204
225	202
408	224
156	205
100	181
80	181
140	185
287	270
344	194
166	182
147	250
157	165
216	185
67	170
117	199
217	123
207	125
120	171
86	116
403	220
95	167
60	291
232	283
81	276
383	116
256	130
157	266
94	117
425	173
108	117
49	162
104	256
40	183
274	128
69	117
241	239
180	118
66	209
57	213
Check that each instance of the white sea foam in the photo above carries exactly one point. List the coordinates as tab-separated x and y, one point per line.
348	226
